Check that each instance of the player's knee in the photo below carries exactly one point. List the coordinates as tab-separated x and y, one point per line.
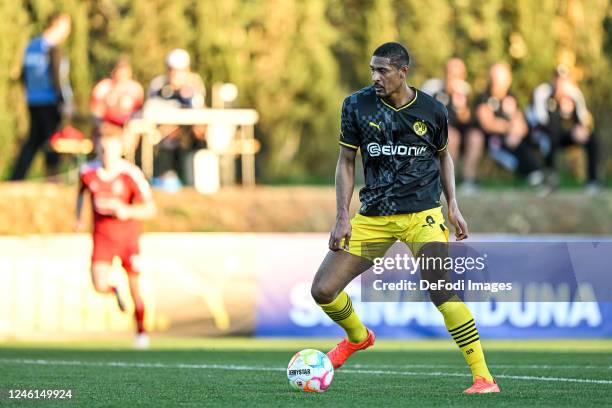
99	279
321	294
101	287
439	297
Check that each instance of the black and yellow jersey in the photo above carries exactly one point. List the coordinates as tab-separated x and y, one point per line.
399	149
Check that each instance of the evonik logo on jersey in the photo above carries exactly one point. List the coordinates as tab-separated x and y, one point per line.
375	149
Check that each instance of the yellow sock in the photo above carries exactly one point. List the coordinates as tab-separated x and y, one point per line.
341	311
460	324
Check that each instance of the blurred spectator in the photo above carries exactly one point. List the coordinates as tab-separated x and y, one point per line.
559	115
504	125
463	136
178	88
114	100
48	93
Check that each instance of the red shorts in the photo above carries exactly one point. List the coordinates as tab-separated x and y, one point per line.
105	248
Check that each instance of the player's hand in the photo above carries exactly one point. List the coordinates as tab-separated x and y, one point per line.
341	234
122	212
455	218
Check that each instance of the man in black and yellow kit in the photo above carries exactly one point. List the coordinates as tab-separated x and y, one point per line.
402	135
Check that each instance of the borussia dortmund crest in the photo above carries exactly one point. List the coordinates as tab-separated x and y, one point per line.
419	127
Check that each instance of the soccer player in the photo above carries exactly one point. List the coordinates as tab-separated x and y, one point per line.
120	197
402	135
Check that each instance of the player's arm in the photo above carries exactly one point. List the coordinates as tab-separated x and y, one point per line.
142	206
447	172
79	206
137	211
345	183
447	175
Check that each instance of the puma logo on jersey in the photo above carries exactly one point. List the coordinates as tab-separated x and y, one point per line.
375	125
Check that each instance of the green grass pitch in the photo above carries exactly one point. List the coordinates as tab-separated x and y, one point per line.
237	372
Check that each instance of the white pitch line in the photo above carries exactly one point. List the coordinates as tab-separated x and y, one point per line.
136	364
530	366
231	367
512	377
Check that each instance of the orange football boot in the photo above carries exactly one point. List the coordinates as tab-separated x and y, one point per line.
482	386
343	350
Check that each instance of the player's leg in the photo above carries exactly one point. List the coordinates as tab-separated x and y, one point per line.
335	273
100	277
104	250
457	316
431	243
370	238
139	307
100	272
141	340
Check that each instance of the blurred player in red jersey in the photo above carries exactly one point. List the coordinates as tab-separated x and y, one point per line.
120	197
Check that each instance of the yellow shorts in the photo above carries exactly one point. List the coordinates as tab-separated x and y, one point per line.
372	236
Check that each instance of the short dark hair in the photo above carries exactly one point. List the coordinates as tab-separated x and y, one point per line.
396	52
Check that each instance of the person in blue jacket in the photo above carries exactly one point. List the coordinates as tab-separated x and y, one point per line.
48	93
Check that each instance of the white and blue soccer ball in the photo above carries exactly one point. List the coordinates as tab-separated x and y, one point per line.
310	371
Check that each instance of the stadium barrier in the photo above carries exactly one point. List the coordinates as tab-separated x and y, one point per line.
211	284
192	284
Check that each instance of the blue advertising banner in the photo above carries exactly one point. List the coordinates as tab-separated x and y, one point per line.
285	307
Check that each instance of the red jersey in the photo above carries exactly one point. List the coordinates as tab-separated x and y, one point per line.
116	102
126	186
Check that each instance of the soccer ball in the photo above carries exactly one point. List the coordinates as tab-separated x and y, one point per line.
310	371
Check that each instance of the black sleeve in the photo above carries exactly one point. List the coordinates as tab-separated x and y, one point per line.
440	139
349	134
